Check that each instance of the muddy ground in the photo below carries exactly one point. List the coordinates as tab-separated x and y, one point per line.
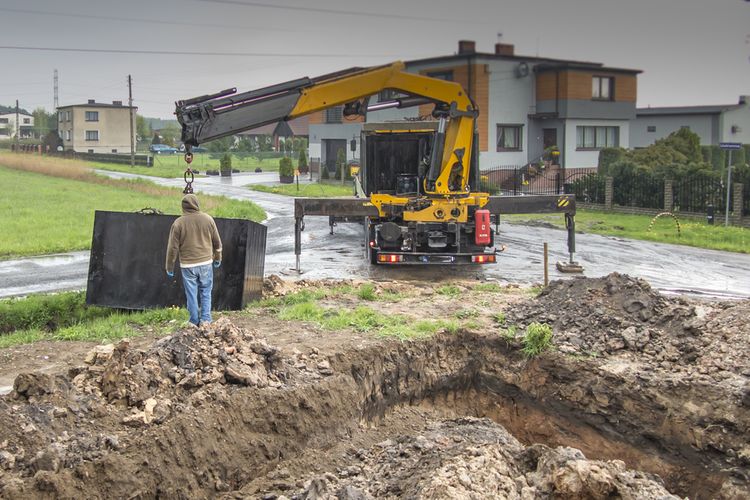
641	396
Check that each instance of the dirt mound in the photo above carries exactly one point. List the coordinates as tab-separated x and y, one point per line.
476	458
620	314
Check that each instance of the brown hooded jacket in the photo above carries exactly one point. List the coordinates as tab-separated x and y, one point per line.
193	236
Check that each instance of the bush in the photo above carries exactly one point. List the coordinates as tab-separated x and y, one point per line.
538	338
302	162
225	165
324	174
608	156
285	167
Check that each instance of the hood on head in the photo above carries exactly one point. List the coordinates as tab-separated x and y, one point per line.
190	204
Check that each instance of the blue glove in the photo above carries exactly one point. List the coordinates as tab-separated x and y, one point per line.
170	274
217	264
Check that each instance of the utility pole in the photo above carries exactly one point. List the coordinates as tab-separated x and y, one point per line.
18	126
56	101
130	107
729	190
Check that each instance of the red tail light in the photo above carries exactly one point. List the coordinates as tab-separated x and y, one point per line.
483	259
390	258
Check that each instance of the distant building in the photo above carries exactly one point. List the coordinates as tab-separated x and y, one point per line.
297	127
96	127
8	125
526	104
713	124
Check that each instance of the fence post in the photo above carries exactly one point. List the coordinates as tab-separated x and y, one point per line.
609	192
668	196
737	203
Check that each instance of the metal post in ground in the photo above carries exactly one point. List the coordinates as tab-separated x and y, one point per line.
729	189
546	265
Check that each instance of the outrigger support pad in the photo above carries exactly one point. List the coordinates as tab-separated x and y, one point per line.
571	266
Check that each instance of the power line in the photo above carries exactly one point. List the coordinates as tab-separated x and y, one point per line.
338	11
189	53
141	20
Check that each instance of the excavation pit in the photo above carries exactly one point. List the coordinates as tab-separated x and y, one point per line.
261	407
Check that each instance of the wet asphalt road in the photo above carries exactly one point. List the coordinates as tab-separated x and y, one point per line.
671	268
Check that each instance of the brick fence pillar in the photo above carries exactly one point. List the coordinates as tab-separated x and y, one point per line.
609	193
668	196
737	203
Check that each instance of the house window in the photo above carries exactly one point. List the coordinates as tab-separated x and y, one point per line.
3	120
597	137
92	116
26	121
442	75
334	115
67	135
651	128
92	135
114	151
91	151
601	88
509	137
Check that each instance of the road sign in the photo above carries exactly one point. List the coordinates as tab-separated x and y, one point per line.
730	145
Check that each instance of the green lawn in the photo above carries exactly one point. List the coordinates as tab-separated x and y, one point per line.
41	214
692	232
314	190
174	165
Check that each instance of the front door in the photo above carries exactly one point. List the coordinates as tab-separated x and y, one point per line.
549	138
332	148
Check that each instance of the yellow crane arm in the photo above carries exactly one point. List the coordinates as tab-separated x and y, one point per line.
225	113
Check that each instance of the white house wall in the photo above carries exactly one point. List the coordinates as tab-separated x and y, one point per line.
589	158
511	100
705	125
740	119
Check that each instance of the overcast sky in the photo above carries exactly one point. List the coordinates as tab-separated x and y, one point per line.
691	52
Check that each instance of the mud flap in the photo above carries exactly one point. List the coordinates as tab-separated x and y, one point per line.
128	250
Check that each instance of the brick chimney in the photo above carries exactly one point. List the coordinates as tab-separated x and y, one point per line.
117	103
504	49
466	47
92	101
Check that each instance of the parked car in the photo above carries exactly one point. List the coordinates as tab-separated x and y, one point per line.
196	149
162	149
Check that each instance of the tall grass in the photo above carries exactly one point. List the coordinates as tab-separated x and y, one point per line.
47	312
48	204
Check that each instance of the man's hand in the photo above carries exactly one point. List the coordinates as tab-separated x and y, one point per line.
217	264
170	274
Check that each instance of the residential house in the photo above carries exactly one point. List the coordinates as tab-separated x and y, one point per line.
298	127
526	104
8	125
96	127
713	124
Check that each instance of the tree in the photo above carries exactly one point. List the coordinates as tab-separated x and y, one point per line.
171	134
225	165
142	127
156	139
43	122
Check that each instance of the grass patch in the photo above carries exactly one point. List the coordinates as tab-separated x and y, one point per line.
367	291
466	314
113	327
173	165
538	338
693	232
449	290
509	334
65	195
312	190
499	318
489	287
47	312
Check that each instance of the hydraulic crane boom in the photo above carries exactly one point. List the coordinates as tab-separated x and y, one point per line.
226	113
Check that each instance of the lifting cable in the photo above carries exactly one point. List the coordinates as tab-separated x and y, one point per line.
188	172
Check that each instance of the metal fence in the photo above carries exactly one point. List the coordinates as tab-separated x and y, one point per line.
589	187
696	192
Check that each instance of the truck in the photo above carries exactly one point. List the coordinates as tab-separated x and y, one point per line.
418	189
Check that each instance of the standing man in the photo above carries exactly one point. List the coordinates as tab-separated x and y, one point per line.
195	238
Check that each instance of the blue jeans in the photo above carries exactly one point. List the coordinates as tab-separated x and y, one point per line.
198	283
